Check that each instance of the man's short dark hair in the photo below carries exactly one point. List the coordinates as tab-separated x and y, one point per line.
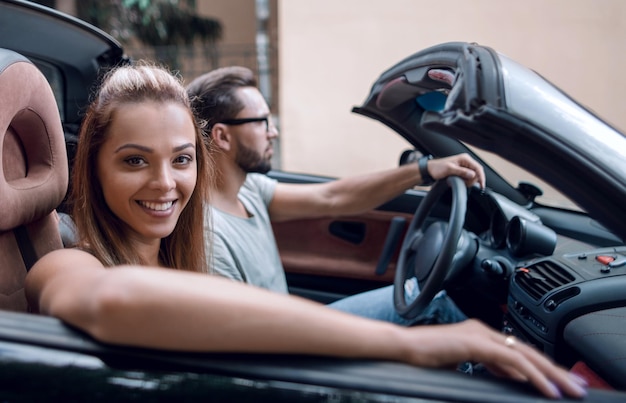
213	93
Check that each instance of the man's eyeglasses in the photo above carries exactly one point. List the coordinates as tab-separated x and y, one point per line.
243	121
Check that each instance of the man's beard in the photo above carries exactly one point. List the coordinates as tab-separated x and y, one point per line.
251	161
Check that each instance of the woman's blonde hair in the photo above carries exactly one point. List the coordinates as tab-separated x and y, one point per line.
99	230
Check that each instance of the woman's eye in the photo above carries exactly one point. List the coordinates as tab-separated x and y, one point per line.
134	161
183	160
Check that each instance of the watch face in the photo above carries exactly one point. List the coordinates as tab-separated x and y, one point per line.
410	156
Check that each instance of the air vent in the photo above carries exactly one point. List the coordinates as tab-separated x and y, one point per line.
542	277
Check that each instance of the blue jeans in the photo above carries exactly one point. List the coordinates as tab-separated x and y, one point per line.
378	304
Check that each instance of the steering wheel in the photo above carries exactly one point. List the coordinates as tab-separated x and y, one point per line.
432	248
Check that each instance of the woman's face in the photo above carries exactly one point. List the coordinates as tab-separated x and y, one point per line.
147	167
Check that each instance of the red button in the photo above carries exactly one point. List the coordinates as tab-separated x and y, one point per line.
605	259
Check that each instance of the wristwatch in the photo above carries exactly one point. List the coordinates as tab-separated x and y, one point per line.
422	163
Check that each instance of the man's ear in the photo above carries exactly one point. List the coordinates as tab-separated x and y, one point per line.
221	136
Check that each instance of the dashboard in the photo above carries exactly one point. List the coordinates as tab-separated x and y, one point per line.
556	280
546	294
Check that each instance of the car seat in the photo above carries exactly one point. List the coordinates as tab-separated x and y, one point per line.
34	175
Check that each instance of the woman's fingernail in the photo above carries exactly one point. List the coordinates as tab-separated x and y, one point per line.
556	393
579	379
580	390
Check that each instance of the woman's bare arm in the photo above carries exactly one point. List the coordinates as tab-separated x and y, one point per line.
168	309
165	308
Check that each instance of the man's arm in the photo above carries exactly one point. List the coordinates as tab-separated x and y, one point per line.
357	194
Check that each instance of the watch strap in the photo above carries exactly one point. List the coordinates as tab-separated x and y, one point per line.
422	163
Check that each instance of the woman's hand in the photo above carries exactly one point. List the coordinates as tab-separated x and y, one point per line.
504	356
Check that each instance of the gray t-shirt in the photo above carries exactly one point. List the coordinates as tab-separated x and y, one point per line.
244	249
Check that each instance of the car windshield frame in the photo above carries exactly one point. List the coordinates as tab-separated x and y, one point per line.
527	95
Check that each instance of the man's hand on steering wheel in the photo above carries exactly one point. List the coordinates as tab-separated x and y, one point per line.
461	165
429	252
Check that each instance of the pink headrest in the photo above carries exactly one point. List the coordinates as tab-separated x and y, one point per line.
34	161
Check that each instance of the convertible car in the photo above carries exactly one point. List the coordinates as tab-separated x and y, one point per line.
542	258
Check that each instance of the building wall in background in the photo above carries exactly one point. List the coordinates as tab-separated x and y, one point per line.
238	43
238	18
332	51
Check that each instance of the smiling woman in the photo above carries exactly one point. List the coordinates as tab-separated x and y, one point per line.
140	158
125	174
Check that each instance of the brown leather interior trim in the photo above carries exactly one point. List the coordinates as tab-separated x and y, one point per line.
308	247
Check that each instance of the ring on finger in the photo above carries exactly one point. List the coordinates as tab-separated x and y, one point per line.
510	341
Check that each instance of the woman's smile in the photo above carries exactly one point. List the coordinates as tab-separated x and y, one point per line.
158	207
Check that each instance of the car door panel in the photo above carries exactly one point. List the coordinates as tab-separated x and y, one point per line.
339	256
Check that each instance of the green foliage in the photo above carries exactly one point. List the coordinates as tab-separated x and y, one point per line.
153	22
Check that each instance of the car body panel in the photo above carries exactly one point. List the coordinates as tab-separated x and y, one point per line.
46	359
